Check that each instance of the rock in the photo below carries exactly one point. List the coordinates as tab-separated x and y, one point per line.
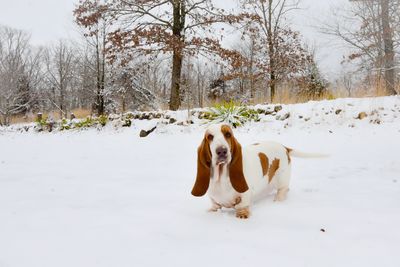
50	126
144	133
362	115
146	116
285	117
172	120
127	123
278	108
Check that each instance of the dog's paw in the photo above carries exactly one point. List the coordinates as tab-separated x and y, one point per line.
243	213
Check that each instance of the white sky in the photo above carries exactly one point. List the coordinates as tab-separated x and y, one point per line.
50	20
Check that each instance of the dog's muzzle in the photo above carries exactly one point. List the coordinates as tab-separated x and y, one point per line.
222	155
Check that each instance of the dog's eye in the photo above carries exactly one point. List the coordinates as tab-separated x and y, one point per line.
228	135
210	137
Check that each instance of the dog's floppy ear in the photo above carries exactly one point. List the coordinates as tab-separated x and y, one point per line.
236	168
203	169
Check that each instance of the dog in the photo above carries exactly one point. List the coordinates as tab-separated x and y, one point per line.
233	176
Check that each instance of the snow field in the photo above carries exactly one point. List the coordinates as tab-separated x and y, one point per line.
113	199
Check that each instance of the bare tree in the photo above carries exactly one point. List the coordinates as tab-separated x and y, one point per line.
372	29
60	69
283	51
19	73
96	39
249	75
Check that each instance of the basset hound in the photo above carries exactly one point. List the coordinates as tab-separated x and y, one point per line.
234	176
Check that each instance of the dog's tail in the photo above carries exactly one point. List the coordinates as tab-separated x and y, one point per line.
299	154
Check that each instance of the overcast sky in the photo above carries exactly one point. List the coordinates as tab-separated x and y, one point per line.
50	20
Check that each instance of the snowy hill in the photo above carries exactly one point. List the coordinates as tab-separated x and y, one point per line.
111	198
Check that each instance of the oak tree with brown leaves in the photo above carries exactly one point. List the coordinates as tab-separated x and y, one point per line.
176	27
281	47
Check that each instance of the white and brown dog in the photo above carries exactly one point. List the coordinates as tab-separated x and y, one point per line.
234	176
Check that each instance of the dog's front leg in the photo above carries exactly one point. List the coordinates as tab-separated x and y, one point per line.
242	206
214	206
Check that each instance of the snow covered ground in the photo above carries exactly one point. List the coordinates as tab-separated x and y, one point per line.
109	198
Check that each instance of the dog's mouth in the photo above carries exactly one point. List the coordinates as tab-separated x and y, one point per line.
221	162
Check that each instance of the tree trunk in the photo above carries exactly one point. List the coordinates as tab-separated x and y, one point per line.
199	87
271	50
388	48
177	57
123	105
251	69
62	100
175	99
272	85
100	76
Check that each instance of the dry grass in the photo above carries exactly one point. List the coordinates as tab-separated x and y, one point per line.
55	115
21	119
81	113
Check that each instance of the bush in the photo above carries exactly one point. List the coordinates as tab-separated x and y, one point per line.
232	113
65	125
102	120
86	123
44	124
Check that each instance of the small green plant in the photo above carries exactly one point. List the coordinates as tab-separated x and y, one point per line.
129	116
42	122
86	123
65	125
102	120
232	113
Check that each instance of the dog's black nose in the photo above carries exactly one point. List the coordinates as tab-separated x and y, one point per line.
221	151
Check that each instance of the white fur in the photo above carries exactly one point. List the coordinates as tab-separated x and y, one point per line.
222	193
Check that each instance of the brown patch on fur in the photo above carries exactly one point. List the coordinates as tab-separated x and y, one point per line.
203	168
288	150
238	200
243	213
236	165
228	134
264	163
273	168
